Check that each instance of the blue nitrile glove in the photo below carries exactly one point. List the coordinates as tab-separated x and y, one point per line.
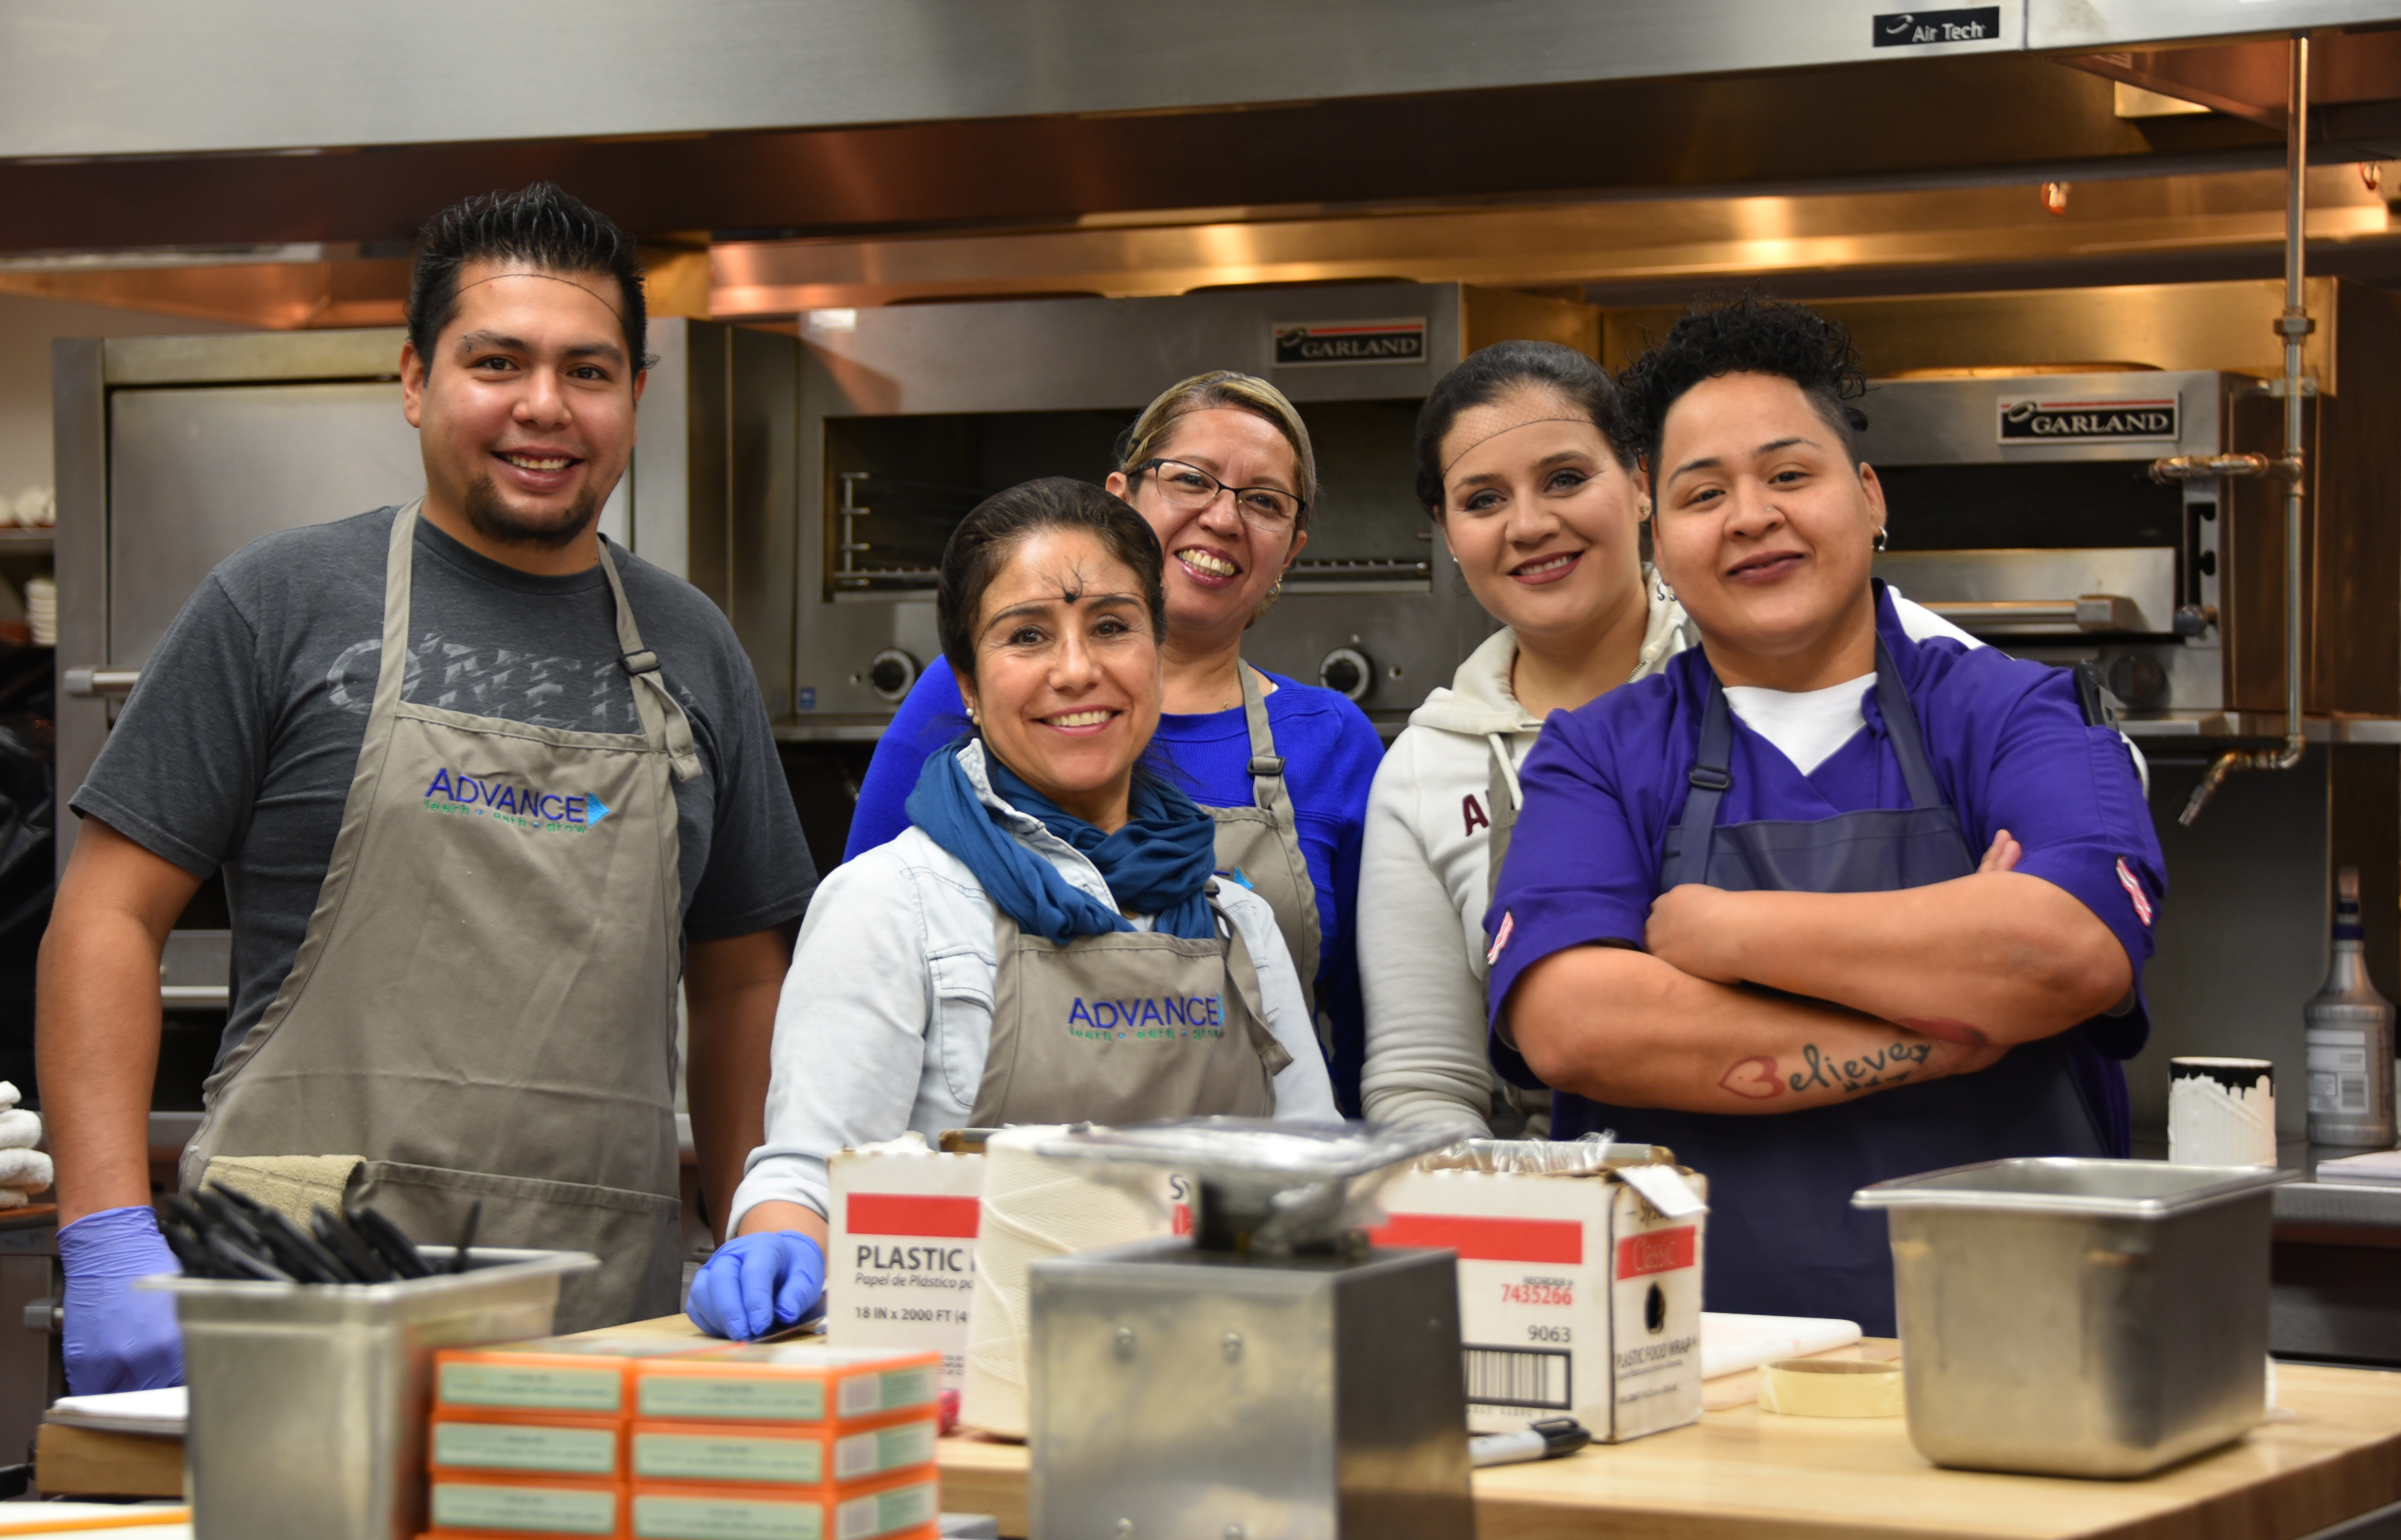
116	1338
754	1283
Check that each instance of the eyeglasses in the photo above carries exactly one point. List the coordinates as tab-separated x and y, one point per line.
1189	489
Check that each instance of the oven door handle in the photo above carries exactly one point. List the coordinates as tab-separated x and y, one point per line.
2086	612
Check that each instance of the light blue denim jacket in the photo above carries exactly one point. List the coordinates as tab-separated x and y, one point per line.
886	1012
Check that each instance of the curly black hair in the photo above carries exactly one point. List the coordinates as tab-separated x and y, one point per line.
1486	374
540	225
1755	335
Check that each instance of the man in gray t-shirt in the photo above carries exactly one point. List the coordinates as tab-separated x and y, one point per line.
257	744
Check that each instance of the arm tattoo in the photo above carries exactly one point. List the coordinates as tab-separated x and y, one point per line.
1885	1067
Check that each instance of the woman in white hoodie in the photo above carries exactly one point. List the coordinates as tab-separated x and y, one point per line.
1521	464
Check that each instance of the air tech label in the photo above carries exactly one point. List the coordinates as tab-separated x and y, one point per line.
459	795
1153	1018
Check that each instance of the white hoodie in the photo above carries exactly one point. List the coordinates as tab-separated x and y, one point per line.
1423	876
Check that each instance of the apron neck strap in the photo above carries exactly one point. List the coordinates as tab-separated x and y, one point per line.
1710	780
1901	730
399	573
662	717
663	722
1267	765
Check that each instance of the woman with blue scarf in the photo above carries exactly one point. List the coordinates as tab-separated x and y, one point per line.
1048	942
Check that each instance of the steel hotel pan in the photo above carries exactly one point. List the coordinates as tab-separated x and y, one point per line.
2081	1317
309	1400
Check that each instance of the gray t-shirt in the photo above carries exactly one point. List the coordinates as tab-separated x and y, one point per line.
235	750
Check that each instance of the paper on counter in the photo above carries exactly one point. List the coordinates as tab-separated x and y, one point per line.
1732	1343
2379	1167
159	1413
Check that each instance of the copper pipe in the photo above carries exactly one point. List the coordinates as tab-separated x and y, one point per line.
2294	325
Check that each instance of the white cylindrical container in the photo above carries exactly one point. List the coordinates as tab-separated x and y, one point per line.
2222	1111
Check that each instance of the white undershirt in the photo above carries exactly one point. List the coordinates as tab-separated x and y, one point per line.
1808	725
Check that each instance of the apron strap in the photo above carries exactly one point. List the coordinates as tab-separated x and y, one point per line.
1503	796
1267	765
391	672
1690	862
1242	977
1711	779
663	717
1901	730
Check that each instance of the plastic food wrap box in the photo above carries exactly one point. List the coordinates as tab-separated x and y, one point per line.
901	1259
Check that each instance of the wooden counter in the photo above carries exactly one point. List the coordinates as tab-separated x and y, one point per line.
2332	1451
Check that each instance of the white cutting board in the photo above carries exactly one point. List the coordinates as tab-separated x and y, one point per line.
1732	1343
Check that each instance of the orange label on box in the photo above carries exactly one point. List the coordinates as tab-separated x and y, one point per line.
1656	1251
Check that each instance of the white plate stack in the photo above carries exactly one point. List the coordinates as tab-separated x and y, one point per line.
42	610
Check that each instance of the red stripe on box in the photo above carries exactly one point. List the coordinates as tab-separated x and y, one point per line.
1477	1240
1660	1251
911	1214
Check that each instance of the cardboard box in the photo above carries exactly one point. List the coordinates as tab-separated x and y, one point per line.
908	1506
768	1454
483	1505
1577	1296
789	1383
901	1260
583	1375
514	1443
901	1263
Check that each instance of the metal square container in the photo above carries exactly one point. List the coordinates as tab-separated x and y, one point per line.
1177	1391
309	1400
2081	1317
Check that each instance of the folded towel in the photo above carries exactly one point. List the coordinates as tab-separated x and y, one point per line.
11	1198
10	1096
24	1170
19	1128
294	1185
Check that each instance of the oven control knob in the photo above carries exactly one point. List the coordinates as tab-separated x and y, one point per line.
891	673
1347	671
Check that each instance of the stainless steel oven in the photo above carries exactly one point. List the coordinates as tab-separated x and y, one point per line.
912	413
2022	509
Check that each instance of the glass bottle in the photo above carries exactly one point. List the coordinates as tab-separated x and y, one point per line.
2349	1033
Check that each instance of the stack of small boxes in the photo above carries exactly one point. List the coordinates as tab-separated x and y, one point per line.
640	1438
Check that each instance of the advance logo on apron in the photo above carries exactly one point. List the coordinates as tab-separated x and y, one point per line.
1151	1019
490	797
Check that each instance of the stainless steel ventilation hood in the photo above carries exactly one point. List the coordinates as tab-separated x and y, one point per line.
148	77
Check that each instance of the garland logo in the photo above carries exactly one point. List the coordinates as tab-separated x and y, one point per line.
465	796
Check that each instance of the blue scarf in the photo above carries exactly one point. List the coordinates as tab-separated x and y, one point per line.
1158	863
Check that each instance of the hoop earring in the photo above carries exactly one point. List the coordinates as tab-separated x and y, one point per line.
1883	538
1666	594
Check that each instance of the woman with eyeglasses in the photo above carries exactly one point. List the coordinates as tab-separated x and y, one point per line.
1221	468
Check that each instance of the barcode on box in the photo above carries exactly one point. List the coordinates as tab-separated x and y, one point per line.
1518	1377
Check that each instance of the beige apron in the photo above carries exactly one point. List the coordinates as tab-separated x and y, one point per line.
1262	844
483	1005
1124	1027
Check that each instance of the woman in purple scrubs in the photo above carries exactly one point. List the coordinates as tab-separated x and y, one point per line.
1841	895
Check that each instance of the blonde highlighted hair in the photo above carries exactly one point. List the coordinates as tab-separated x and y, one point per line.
1222	389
